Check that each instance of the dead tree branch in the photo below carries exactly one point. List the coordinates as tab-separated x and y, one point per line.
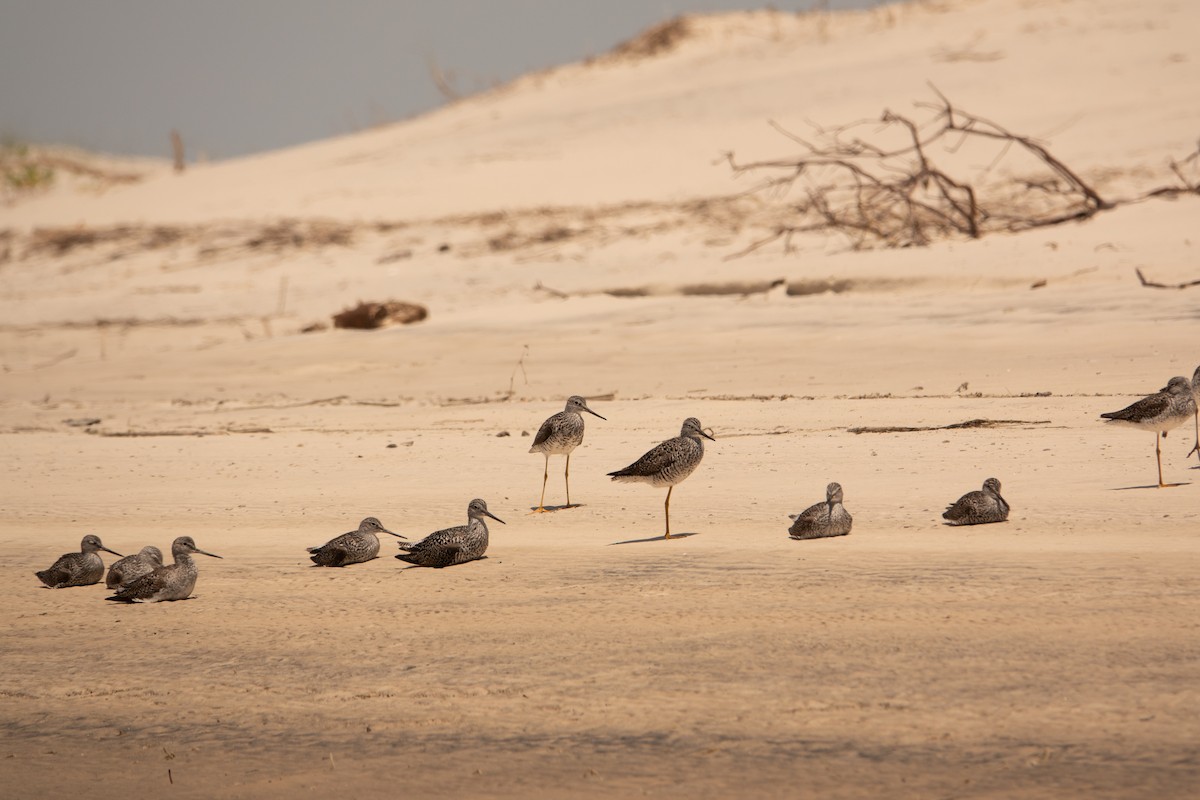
902	182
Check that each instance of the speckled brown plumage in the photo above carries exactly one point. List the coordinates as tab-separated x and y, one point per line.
1165	410
979	507
77	569
668	463
354	547
559	435
823	520
172	582
125	570
451	546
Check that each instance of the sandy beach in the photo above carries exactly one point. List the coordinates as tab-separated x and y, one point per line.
578	232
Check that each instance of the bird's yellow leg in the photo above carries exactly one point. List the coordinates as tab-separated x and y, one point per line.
567	478
1158	455
541	509
667	508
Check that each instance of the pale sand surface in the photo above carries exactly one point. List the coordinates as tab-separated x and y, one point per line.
1056	655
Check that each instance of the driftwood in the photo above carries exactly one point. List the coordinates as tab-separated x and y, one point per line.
368	316
892	186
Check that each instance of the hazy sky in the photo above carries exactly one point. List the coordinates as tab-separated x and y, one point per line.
240	76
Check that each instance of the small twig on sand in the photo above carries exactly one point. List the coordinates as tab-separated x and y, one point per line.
971	423
57	359
541	287
1156	285
323	401
521	366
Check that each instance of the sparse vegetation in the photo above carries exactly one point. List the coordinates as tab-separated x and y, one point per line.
23	171
654	41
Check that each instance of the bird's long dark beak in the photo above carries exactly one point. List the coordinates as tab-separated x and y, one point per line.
398	536
114	552
206	553
594	414
493	516
707	435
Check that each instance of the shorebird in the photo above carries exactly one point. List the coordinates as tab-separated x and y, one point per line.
668	463
172	582
1166	409
822	519
353	547
980	507
77	569
125	571
1196	400
451	546
559	435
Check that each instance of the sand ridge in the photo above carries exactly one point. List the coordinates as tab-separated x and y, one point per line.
566	240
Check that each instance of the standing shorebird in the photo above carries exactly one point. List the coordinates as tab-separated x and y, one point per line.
172	582
559	435
77	569
1196	400
125	571
451	546
1166	409
979	507
354	547
822	519
668	463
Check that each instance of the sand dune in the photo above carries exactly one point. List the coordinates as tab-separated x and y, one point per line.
571	234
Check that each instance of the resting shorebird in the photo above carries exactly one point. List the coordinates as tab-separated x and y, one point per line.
172	582
77	569
559	435
1166	409
451	546
668	463
1196	400
125	570
980	507
822	519
354	547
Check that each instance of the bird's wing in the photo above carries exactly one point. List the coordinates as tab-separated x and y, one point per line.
653	462
964	504
1146	408
544	432
59	572
814	511
442	556
448	537
146	586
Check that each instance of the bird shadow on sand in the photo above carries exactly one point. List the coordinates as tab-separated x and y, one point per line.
443	566
1149	486
534	509
674	536
123	601
972	524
